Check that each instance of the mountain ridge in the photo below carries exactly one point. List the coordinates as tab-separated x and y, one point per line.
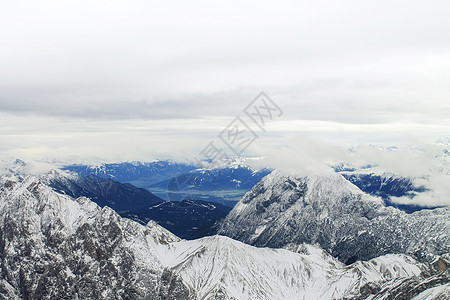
331	211
54	246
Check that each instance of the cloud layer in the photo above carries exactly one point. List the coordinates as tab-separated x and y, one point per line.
114	80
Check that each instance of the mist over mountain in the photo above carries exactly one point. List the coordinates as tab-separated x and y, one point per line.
224	150
339	234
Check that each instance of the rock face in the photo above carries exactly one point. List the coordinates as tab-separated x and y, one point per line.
55	247
222	268
332	212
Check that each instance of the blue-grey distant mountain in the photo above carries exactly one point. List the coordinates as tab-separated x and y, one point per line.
387	186
178	181
225	185
140	174
376	182
105	192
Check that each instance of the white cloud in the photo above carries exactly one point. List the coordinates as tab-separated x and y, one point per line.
114	80
297	154
438	193
428	165
350	61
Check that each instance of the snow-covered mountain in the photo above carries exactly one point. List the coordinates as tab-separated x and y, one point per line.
238	271
334	213
18	169
55	247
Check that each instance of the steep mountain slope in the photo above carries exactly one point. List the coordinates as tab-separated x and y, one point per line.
56	247
222	268
105	192
331	211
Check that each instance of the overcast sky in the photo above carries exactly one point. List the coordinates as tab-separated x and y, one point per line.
125	80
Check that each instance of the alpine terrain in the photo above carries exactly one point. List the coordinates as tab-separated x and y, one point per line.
330	211
53	246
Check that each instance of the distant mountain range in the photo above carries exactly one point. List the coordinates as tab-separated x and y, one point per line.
225	185
178	181
387	186
105	192
140	174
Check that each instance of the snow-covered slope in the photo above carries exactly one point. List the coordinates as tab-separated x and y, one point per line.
18	169
55	247
221	268
331	211
441	292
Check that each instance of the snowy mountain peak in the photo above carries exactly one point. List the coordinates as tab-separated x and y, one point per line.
238	271
60	241
332	212
57	247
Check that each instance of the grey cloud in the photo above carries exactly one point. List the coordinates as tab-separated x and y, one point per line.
352	61
99	64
